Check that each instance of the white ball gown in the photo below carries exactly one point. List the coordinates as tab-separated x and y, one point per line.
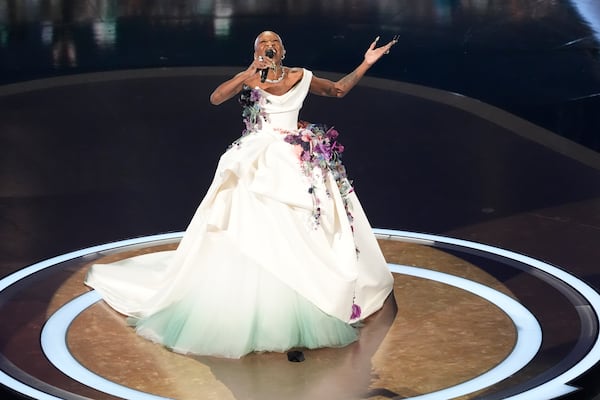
278	255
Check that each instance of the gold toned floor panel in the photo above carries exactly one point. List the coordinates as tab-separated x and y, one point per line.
428	336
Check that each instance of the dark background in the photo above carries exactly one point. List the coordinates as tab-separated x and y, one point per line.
536	59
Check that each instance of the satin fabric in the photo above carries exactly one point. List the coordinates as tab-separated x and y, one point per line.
251	263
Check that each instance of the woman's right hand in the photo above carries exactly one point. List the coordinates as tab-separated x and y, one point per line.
260	63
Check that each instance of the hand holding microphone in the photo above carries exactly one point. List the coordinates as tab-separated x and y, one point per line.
263	72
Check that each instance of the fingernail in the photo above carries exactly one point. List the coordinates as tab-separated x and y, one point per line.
377	38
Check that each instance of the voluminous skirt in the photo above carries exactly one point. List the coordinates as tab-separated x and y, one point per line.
252	271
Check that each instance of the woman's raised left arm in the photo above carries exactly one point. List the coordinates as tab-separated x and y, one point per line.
326	87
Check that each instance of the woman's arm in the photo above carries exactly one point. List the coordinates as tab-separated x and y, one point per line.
325	87
230	88
233	86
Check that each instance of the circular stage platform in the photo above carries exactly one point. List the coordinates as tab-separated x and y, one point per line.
454	327
466	320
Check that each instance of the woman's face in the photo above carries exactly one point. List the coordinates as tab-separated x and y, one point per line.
269	40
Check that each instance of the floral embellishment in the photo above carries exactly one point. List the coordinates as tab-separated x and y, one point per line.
356	311
317	147
253	113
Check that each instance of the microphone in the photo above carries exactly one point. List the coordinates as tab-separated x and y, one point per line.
263	72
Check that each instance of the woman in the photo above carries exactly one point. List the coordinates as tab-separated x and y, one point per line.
279	254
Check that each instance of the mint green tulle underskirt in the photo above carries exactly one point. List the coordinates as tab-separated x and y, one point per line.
253	312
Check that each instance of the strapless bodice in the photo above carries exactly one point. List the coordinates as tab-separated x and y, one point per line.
280	112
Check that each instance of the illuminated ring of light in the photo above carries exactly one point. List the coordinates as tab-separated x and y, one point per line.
15	384
529	338
552	388
559	385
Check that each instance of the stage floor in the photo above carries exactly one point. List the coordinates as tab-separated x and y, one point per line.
497	299
449	330
490	223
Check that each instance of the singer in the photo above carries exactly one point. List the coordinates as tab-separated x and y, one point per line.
279	79
279	254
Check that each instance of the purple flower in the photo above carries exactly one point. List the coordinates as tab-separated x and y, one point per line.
252	103
324	150
337	147
356	311
254	95
332	134
317	147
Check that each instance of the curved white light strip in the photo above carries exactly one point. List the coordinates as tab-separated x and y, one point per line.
529	339
18	386
553	388
559	385
529	332
54	345
25	272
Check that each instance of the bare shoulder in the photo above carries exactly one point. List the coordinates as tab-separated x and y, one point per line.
295	75
295	71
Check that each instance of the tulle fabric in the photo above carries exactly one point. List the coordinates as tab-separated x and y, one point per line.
243	309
